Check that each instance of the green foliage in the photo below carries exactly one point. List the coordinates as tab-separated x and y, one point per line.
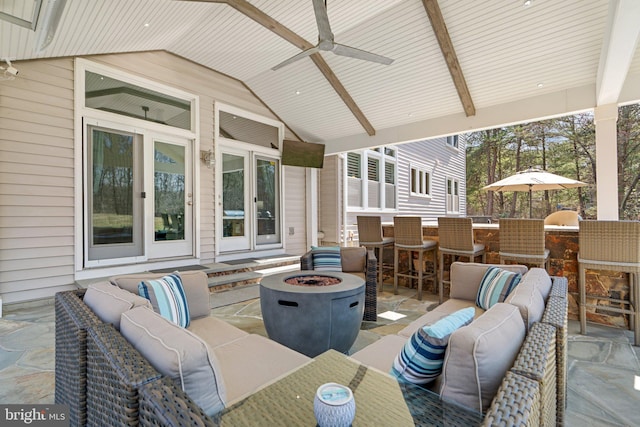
564	146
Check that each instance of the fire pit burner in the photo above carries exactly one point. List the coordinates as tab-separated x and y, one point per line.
313	280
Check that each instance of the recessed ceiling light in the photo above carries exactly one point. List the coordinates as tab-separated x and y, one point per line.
527	3
410	114
297	92
146	24
540	85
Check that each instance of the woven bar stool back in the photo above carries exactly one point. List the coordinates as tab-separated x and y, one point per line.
408	237
455	238
370	236
522	241
613	246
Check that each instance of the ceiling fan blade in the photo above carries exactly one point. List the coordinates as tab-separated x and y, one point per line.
352	52
294	58
322	20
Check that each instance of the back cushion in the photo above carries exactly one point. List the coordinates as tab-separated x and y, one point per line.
353	259
479	355
178	354
528	299
108	302
466	277
541	280
195	287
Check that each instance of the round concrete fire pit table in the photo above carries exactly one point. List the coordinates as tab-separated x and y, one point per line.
312	318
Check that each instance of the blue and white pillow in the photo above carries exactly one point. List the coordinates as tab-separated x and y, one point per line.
420	360
495	286
326	258
168	298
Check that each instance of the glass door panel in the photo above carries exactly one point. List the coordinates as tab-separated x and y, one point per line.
235	232
172	199
115	203
267	199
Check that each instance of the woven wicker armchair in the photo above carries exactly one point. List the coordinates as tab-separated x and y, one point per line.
614	246
370	236
522	240
455	238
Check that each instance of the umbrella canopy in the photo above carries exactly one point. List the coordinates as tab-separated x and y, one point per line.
533	179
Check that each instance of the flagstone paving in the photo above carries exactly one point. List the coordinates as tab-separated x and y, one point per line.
602	366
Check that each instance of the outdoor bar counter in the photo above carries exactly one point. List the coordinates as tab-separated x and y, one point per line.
562	242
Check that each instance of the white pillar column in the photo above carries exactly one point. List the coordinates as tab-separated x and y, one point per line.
312	206
606	117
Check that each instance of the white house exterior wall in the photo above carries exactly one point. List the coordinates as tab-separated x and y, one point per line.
37	194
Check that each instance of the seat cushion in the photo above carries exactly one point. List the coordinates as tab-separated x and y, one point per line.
108	302
479	355
178	354
381	353
214	331
168	298
420	360
495	286
252	362
194	283
443	310
326	258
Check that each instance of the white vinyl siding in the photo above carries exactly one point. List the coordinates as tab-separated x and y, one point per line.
38	157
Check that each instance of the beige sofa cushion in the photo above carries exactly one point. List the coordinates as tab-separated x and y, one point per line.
526	296
252	362
178	354
353	259
444	309
195	286
108	302
541	280
479	355
466	277
214	331
381	353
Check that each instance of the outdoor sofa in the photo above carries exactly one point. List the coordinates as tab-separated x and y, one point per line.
106	381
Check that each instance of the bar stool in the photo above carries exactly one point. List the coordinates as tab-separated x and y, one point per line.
613	246
455	238
408	235
370	236
522	240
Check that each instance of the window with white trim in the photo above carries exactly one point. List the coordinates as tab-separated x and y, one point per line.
452	141
453	195
420	181
375	186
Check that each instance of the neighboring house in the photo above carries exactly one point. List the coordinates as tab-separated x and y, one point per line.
425	178
120	163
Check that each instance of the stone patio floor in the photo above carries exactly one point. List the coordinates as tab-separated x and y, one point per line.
602	367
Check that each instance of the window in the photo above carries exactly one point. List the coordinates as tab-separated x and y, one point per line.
353	165
453	195
420	181
452	141
378	189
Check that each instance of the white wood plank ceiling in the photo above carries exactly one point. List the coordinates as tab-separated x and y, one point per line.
511	57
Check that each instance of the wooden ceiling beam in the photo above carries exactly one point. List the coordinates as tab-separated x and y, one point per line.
276	27
448	52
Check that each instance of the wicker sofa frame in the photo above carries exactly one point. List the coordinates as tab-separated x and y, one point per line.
105	381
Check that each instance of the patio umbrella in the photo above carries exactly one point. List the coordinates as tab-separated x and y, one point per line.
533	179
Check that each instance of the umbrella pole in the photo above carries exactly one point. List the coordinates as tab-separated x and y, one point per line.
530	202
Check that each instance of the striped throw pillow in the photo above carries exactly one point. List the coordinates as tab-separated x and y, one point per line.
420	360
326	258
168	298
495	286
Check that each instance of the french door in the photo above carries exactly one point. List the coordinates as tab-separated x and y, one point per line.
138	191
250	214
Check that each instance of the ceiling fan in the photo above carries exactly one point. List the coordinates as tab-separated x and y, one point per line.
326	43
